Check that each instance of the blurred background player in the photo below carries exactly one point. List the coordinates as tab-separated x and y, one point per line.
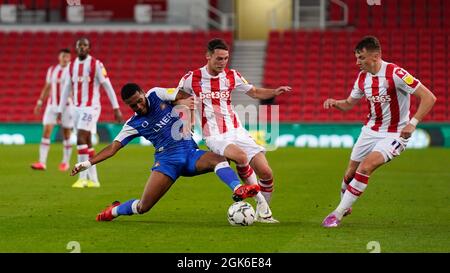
213	84
52	90
387	88
176	154
85	76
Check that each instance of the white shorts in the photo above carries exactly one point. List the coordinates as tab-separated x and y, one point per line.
239	137
85	118
389	145
51	113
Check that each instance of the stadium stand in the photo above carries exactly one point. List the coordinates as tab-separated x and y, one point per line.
148	58
321	64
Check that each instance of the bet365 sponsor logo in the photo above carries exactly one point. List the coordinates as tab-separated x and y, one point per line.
215	95
382	98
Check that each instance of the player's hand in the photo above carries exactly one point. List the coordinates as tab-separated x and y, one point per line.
407	131
280	90
59	118
118	115
79	167
329	103
188	102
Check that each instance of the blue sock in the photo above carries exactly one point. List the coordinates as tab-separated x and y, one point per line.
126	208
227	175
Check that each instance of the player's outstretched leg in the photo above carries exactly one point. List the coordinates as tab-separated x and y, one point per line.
157	185
116	209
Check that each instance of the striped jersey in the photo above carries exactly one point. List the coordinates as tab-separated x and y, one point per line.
55	78
214	93
86	77
388	95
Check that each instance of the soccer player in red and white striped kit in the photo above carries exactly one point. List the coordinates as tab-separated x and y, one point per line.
85	76
212	85
52	93
387	88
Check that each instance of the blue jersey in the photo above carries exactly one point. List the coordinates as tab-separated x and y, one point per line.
161	125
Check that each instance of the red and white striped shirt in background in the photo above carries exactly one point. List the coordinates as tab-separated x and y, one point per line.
214	92
388	94
55	78
85	78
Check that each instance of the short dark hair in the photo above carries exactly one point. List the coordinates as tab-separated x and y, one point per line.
83	38
64	50
370	43
216	43
129	89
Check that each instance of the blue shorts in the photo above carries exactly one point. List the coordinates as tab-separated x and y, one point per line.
177	163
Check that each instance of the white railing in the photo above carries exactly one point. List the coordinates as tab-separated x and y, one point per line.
276	13
344	20
198	17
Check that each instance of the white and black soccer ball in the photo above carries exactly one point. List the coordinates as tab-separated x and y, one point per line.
241	214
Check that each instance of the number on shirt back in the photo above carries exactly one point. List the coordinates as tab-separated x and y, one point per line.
86	117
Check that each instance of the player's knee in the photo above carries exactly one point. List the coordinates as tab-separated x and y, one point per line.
265	173
365	168
241	158
216	159
143	208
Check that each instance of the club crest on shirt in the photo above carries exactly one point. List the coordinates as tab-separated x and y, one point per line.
227	82
163	106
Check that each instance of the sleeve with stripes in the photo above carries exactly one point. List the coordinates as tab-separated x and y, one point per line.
65	92
48	78
185	83
357	93
241	84
405	81
127	134
102	77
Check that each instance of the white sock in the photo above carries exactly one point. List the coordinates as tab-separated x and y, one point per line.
67	151
259	198
92	171
266	188
344	185
83	155
354	190
43	150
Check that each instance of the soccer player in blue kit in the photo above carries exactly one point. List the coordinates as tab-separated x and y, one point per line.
176	153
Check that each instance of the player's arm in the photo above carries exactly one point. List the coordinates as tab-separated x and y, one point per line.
64	95
106	83
427	100
185	99
266	93
42	97
104	154
343	105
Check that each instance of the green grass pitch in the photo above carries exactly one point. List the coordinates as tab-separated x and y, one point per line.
406	206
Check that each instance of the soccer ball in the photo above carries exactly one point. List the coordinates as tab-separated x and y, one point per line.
241	214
